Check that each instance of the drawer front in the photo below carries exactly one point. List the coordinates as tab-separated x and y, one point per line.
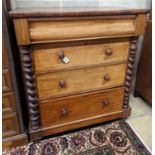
85	106
10	125
80	80
54	58
48	30
8	102
6	81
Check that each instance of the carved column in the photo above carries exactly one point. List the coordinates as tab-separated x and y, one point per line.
130	69
30	87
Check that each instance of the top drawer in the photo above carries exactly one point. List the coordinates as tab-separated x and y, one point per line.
41	30
79	29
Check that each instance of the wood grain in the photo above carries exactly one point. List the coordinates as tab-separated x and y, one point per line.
8	102
78	29
140	24
4	54
6	81
14	141
78	81
73	12
22	31
48	59
80	107
10	125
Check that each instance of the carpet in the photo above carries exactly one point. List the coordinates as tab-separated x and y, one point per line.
116	138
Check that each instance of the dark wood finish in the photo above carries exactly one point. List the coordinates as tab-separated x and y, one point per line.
30	87
129	73
143	85
72	12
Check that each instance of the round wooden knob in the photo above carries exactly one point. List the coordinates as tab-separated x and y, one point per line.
62	84
61	55
64	112
109	52
106	77
105	102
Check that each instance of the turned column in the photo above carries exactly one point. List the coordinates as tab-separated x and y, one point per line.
30	87
130	69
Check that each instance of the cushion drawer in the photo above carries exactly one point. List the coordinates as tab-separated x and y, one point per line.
59	30
46	59
8	102
10	125
6	81
57	112
80	80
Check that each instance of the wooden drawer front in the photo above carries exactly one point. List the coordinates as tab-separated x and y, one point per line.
6	81
48	30
8	102
10	125
76	108
52	58
81	80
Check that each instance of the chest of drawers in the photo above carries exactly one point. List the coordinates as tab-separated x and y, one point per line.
77	65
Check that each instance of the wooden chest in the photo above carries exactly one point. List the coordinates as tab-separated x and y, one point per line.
77	65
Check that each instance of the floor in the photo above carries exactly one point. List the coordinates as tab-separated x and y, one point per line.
141	119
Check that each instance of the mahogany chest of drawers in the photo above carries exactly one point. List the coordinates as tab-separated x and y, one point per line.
77	65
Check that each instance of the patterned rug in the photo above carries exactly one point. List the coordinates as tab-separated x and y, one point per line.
115	138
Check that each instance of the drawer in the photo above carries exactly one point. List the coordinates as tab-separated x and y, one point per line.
6	81
10	125
80	80
8	102
46	59
81	107
77	29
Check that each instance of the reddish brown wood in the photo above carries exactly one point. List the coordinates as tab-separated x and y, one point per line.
129	73
30	87
62	12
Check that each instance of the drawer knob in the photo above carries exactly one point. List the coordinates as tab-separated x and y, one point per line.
106	77
63	58
108	52
105	102
62	84
64	112
61	55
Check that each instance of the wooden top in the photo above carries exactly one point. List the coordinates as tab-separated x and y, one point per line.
64	12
